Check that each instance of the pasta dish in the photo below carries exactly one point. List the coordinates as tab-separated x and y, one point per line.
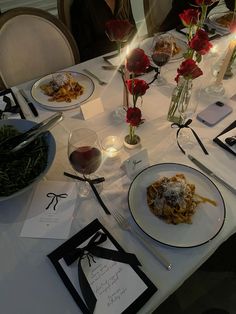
62	87
174	199
226	19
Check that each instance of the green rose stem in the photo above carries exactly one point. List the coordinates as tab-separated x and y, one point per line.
131	127
179	98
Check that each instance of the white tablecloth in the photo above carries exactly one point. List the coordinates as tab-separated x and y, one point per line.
28	282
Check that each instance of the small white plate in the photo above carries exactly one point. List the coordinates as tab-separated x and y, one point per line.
213	21
42	99
206	222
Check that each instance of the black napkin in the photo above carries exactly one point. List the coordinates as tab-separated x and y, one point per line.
222	144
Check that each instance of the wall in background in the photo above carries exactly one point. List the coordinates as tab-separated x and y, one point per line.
48	5
51	6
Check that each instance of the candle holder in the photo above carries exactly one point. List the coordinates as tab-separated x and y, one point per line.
112	146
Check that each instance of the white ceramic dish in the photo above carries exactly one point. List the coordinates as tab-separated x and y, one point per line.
213	21
42	99
206	222
147	45
22	126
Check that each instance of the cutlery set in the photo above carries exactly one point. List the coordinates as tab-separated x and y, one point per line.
20	141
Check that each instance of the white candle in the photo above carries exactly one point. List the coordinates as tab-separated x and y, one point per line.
125	78
112	146
226	61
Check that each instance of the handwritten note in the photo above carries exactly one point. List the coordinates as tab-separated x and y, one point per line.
115	285
136	163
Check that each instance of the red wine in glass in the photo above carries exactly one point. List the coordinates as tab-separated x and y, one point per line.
160	58
84	155
86	159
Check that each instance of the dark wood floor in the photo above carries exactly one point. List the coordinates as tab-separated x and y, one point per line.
211	289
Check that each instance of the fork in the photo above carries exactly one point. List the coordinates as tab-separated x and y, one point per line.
95	76
125	225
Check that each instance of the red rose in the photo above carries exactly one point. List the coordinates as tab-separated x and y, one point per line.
189	69
118	30
189	17
134	116
137	87
137	61
200	42
205	2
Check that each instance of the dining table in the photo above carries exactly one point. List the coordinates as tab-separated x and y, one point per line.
28	281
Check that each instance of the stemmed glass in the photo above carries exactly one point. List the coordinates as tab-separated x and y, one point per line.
84	155
187	111
162	50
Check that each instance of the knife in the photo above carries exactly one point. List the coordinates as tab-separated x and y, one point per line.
29	103
211	173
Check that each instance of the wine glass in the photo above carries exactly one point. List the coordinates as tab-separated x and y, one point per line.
187	109
84	155
162	50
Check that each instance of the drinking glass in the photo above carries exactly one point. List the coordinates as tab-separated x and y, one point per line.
187	111
84	155
162	49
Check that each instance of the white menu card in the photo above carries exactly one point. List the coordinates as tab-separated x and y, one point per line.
51	210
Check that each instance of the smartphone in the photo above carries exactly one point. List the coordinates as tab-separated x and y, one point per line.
214	113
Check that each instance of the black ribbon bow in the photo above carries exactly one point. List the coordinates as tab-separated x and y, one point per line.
55	197
186	125
89	251
91	183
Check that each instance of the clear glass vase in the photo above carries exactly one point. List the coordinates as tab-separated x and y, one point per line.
180	100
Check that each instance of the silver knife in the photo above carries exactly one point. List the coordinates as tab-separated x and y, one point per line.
29	103
211	173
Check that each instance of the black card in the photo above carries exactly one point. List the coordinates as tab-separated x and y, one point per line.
9	106
114	292
222	144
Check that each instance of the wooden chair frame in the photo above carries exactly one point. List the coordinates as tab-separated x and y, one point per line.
6	16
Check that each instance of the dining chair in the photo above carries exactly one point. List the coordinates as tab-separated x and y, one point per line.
63	8
155	13
33	43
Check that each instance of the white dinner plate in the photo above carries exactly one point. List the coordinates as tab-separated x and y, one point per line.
206	222
147	45
42	99
213	21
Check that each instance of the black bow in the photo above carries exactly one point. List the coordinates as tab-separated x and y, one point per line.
91	183
89	251
55	197
186	125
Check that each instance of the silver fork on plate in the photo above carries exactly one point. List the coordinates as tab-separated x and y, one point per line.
125	225
95	76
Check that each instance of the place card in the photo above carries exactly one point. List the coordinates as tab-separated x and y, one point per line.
9	106
115	284
136	163
92	108
51	210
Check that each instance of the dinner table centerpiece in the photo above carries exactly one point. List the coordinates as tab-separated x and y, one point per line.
198	45
137	62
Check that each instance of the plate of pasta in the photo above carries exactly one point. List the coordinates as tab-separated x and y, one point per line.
176	205
62	90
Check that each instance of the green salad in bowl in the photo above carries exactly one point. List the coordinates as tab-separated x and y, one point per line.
20	170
